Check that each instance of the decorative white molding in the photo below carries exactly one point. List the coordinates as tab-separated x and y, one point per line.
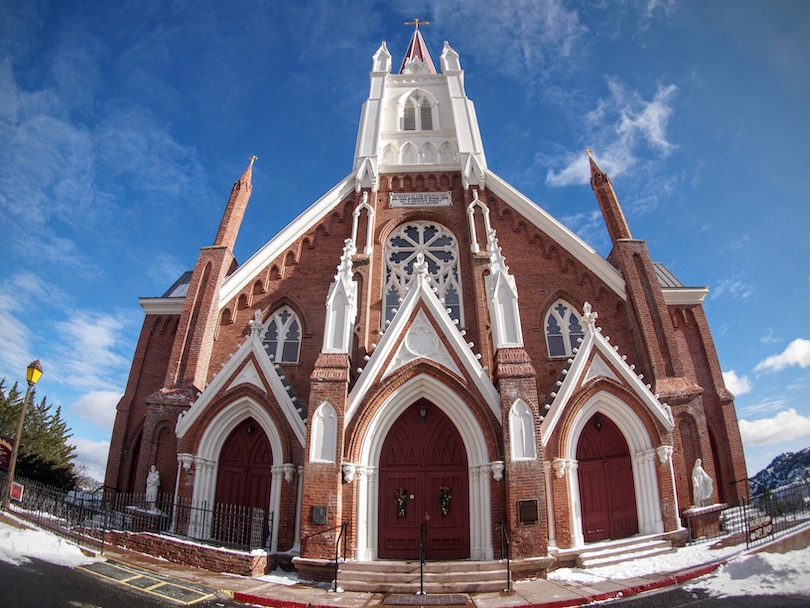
593	340
563	466
597	368
522	432
476	202
664	453
497	470
248	375
367	250
349	470
341	305
185	460
422	341
502	298
323	437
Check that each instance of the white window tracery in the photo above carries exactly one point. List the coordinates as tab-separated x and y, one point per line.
282	338
563	329
418	113
440	248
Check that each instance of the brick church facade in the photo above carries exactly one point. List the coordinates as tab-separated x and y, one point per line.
471	362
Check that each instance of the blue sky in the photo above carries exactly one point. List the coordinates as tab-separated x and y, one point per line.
124	125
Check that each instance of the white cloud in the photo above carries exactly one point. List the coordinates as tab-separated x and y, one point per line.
98	407
532	36
733	288
769	405
787	425
619	130
86	357
93	454
797	353
18	294
738	385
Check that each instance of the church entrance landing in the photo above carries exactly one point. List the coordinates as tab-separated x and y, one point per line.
423	480
606	488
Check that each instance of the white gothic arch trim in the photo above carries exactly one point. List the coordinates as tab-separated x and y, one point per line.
443	397
642	456
210	447
323	446
522	432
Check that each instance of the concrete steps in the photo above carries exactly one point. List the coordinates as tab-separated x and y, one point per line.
622	551
389	576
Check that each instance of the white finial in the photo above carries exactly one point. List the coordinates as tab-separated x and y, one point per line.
420	267
256	325
589	318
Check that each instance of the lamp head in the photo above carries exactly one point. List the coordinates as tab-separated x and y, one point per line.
34	372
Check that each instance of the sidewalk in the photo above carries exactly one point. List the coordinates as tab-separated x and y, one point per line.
538	592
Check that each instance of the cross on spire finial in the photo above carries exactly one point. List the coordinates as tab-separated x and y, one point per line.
416	22
253	158
587	151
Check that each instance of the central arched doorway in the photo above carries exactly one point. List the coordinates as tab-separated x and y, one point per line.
423	480
606	488
243	480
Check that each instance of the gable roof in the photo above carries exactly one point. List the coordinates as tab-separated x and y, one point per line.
268	375
383	357
606	362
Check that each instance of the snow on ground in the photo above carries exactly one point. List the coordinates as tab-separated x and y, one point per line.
279	577
760	574
682	559
17	545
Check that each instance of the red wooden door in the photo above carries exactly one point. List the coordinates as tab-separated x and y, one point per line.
606	490
423	479
243	478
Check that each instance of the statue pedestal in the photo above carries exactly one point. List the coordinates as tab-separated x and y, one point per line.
703	522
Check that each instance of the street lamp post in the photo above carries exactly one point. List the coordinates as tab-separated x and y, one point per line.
33	375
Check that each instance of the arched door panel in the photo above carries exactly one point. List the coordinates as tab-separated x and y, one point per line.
243	480
606	488
423	479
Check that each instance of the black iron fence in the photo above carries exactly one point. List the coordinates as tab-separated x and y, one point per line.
85	517
769	515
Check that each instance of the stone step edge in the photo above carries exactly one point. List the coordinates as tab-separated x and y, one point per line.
626	557
625	549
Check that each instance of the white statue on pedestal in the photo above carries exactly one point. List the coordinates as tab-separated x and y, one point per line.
152	483
701	485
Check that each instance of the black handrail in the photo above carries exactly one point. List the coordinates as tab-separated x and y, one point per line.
505	542
343	526
422	535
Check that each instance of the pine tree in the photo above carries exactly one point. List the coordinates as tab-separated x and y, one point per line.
44	454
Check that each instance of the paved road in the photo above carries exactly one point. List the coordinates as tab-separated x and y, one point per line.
677	597
40	584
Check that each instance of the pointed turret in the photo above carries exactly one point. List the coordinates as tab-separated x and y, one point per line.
417	59
611	210
235	209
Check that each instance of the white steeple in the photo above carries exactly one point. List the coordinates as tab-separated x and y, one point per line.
418	119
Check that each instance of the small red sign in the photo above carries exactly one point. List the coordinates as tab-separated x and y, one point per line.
6	447
760	528
16	491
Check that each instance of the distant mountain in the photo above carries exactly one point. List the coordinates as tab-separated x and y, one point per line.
784	469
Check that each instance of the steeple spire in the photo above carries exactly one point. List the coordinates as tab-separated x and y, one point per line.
235	209
417	59
611	210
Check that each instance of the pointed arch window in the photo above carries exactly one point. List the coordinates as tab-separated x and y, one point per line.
418	113
282	338
563	328
440	248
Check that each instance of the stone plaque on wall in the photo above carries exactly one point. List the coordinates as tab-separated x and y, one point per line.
527	512
319	515
421	199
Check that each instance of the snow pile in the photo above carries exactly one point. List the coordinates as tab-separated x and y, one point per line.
682	559
761	574
279	577
17	545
